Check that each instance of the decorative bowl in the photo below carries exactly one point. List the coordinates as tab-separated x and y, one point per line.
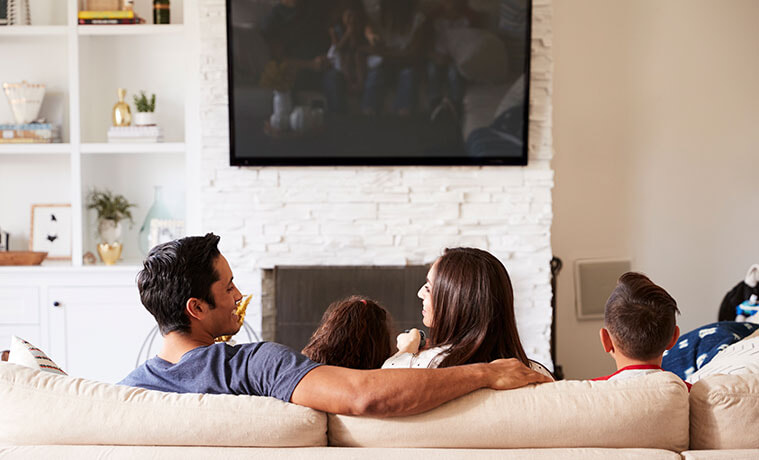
21	257
25	100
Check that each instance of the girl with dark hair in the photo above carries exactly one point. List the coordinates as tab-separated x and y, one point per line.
468	304
353	333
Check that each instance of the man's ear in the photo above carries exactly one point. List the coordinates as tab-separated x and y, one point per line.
675	336
606	340
195	308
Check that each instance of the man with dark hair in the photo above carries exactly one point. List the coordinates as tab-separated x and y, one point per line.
187	285
640	325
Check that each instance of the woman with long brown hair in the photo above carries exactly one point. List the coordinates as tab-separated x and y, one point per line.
468	304
354	333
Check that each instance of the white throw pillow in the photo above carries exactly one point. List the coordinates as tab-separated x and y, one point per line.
25	354
742	357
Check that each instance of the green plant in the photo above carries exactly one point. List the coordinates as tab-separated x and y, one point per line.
110	206
142	103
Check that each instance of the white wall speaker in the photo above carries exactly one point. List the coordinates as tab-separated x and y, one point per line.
594	281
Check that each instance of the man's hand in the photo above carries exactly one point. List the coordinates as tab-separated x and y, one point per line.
506	374
408	342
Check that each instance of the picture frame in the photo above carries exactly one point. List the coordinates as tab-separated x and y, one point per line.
164	230
50	230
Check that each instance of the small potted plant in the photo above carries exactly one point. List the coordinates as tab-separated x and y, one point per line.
111	210
145	115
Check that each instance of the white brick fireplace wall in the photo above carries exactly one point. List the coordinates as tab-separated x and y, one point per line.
271	216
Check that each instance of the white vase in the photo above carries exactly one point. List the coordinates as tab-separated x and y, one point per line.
25	100
283	102
282	105
109	231
144	118
298	120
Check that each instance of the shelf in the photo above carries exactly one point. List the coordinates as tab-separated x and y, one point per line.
133	147
33	31
132	266
35	149
130	29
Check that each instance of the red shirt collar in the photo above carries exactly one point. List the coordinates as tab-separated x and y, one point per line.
631	367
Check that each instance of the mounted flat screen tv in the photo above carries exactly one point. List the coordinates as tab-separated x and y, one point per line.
378	82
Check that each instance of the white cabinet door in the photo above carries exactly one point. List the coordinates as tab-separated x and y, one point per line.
101	329
30	333
19	315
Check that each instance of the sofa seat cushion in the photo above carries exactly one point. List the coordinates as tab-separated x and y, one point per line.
44	408
730	454
647	412
724	412
319	453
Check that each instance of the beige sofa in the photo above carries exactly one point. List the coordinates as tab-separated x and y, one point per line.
43	415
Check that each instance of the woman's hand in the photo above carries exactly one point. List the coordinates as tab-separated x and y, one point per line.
408	342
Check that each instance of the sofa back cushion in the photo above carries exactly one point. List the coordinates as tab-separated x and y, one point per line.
44	408
725	412
646	412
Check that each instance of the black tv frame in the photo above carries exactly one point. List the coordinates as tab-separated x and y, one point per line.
463	160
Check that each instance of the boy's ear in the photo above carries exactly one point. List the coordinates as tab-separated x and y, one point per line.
675	336
195	308
606	340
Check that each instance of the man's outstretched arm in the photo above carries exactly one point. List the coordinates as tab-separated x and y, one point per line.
394	392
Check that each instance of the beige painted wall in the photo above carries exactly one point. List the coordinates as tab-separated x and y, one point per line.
656	125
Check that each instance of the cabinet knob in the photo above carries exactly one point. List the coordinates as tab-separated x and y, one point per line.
56	304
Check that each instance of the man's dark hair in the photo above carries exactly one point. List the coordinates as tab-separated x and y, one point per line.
172	273
640	316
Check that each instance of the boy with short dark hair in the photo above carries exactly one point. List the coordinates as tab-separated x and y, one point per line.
639	325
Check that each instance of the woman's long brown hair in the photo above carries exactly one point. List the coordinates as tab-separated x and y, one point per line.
473	309
354	332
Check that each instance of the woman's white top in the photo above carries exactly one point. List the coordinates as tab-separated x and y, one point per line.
432	357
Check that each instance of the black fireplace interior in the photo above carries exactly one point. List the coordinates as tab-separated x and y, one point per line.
303	293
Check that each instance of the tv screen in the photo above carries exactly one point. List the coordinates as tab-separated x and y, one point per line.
378	82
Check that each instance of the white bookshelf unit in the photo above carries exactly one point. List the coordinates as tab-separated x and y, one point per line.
82	67
66	307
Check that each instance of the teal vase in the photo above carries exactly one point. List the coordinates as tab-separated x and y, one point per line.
157	211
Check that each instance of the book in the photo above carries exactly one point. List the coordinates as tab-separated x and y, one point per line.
134	140
24	140
31	132
134	131
26	126
118	14
135	134
108	21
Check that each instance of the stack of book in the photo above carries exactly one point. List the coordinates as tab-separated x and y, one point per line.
107	17
29	133
135	134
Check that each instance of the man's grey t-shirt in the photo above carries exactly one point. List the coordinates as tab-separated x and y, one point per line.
259	369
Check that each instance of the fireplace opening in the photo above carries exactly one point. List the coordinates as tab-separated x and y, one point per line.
295	297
